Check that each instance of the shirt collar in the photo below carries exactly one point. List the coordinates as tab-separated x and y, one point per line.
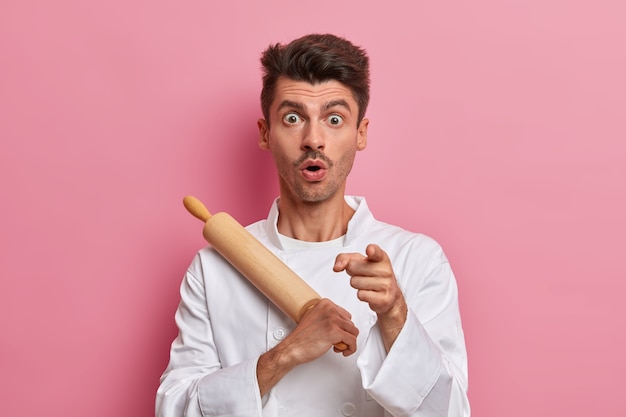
358	224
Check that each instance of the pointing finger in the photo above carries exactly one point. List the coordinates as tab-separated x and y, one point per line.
343	259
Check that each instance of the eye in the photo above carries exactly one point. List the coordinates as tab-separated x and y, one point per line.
292	118
335	120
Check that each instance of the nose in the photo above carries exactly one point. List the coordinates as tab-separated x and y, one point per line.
313	138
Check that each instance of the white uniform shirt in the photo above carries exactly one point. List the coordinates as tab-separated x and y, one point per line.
225	324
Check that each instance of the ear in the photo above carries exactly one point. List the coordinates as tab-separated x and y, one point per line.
361	142
264	134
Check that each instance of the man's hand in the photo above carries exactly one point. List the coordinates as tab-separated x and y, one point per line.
324	325
372	275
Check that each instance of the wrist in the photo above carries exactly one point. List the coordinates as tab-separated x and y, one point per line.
391	323
279	357
272	366
395	317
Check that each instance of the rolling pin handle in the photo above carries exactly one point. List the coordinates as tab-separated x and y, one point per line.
196	208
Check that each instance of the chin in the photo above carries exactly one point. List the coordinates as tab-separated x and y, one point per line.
315	192
316	197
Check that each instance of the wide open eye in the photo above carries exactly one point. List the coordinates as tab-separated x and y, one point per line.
335	120
292	118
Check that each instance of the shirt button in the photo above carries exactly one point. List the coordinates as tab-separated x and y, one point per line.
348	409
279	333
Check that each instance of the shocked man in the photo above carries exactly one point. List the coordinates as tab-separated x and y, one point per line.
389	295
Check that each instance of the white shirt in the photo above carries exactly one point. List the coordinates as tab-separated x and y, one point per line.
225	324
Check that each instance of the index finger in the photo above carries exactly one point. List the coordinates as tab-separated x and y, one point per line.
343	259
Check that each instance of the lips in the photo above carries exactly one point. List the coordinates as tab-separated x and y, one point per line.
313	170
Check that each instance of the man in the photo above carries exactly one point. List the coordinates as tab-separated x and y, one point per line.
388	294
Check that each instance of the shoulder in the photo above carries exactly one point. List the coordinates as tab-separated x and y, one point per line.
401	238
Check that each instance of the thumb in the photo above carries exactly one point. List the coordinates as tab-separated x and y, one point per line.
375	253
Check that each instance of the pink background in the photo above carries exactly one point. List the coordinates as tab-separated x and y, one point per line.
497	127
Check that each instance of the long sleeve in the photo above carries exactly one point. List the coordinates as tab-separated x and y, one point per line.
425	372
194	383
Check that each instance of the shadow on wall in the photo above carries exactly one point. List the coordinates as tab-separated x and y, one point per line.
239	173
255	184
229	172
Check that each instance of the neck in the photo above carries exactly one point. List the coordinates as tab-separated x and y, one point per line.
314	222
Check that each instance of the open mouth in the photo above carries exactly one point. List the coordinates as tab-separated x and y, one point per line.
313	170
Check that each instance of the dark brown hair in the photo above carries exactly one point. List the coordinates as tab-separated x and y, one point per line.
314	59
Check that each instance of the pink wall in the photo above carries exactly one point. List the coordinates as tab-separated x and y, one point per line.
499	128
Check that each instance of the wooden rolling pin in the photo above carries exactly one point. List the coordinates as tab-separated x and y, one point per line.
262	268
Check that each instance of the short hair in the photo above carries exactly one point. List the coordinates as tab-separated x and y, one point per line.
317	58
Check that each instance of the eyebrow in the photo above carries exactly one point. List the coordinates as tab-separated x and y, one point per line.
300	106
335	103
292	104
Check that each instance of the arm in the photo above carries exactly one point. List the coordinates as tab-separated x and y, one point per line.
194	383
423	372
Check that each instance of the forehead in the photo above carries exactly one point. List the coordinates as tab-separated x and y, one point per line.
312	95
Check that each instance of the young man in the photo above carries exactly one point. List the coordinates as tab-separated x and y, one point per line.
389	294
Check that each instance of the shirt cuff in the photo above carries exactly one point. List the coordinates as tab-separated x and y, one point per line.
400	380
231	391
